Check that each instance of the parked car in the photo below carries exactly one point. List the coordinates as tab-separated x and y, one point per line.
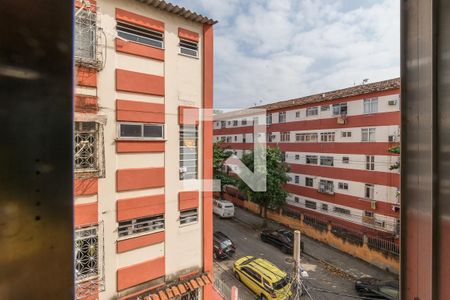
281	238
377	289
263	278
223	208
223	247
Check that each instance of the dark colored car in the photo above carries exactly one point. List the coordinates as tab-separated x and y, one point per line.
281	238
223	247
377	289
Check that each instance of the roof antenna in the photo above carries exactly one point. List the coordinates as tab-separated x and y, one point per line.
365	81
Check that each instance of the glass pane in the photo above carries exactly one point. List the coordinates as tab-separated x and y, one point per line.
155	131
130	130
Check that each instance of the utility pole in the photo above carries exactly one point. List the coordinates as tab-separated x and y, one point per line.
298	280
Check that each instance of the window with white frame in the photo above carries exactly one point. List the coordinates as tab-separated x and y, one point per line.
309	181
282	117
235	138
285	136
327	161
141	225
269	119
86	253
368	214
368	134
310	204
306	137
370	162
85	46
189	48
140	131
326	186
343	186
188	216
324	206
297	179
296	199
86	146
244	122
139	34
346	134
345	159
228	139
244	140
311	159
297	156
324	108
189	152
369	190
339	109
235	123
223	124
312	111
371	106
297	114
341	210
327	136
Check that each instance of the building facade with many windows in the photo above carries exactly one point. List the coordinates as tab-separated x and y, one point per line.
339	147
143	218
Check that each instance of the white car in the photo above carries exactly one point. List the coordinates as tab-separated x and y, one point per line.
223	208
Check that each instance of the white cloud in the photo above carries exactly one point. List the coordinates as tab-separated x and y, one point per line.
274	50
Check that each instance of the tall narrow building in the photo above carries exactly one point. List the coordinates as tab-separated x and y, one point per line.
143	218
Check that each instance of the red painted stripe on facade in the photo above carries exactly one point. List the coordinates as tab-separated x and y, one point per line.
339	100
130	47
374	177
366	148
188	115
86	77
138	111
135	82
188	200
341	222
84	187
188	35
134	179
208	54
132	208
140	241
86	214
382	208
378	119
140	146
85	104
140	273
139	20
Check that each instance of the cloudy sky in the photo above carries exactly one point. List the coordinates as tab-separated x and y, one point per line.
272	50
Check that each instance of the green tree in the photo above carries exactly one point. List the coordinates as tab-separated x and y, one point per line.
220	155
275	195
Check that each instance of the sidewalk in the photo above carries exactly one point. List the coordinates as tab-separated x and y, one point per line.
352	266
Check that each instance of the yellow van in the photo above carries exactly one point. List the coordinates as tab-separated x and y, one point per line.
265	279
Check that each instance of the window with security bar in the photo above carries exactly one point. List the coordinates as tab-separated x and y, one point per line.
86	144
141	225
85	47
86	254
141	35
189	48
189	152
188	216
192	295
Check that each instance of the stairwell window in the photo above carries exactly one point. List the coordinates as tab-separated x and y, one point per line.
368	134
371	106
188	216
141	35
189	48
141	225
140	131
189	152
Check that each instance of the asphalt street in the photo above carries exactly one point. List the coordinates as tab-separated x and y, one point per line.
322	284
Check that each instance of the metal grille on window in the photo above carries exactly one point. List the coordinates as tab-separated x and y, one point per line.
88	261
188	152
192	295
140	35
188	216
136	226
86	48
189	48
86	146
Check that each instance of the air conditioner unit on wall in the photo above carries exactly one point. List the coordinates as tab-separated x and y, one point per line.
392	102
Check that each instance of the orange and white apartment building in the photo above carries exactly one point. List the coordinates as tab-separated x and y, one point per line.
143	218
337	146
